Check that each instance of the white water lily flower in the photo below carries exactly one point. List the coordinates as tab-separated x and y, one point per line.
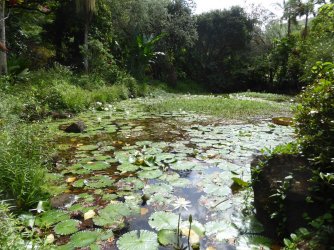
181	203
99	103
99	119
39	209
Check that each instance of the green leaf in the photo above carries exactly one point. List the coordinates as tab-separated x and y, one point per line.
51	217
67	227
167	237
221	229
149	174
84	238
143	240
163	220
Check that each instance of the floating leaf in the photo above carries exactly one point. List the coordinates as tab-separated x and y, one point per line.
167	237
127	167
51	217
96	166
99	181
67	227
88	147
183	165
253	242
163	220
138	240
221	229
149	174
84	238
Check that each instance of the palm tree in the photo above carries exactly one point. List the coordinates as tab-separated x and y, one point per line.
291	11
3	55
86	8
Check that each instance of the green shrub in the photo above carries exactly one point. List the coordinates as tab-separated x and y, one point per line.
21	167
10	237
315	118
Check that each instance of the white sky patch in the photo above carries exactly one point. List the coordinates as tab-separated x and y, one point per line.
207	5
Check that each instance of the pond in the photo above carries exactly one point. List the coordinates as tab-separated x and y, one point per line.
133	178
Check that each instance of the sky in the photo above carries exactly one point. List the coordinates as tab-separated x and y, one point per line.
207	5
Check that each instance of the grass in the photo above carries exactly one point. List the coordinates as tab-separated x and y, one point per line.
10	237
228	108
22	170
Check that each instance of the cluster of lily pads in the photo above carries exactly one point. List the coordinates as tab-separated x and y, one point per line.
132	174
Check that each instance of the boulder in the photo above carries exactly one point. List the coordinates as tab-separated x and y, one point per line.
61	201
267	176
76	127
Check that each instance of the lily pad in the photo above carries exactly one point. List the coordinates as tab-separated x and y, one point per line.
88	148
51	217
127	167
142	239
167	237
149	174
96	166
222	230
163	220
67	227
99	181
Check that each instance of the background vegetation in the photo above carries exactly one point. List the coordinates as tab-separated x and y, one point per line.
59	58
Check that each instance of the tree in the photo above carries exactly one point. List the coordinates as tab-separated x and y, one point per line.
219	57
3	55
86	8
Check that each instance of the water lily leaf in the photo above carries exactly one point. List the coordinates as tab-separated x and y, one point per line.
99	181
88	147
112	216
67	227
167	237
196	226
253	242
79	183
183	165
51	217
181	182
240	183
160	188
221	229
163	220
127	167
142	239
169	176
96	166
84	238
130	184
149	174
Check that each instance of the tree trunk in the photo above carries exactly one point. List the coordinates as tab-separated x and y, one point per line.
306	26
86	66
3	55
289	26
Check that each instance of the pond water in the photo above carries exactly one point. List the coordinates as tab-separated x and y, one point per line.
124	182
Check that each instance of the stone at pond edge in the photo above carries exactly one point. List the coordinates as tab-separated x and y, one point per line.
76	127
60	201
266	182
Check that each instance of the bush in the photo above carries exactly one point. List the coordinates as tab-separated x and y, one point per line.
21	167
315	118
9	237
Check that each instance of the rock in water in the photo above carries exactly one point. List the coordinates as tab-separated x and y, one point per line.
62	200
76	127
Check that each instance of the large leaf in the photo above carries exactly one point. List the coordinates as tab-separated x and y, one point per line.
143	240
163	220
